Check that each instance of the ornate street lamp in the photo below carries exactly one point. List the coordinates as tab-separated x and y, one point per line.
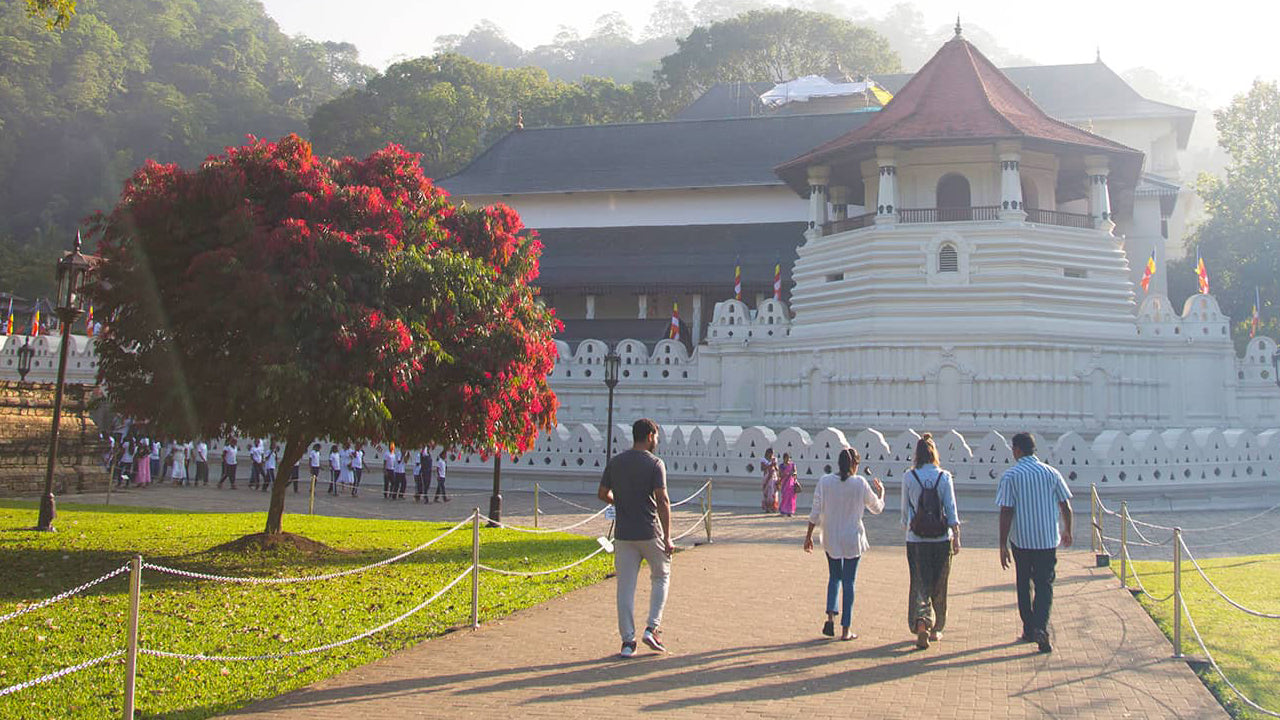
25	354
73	276
612	362
1275	363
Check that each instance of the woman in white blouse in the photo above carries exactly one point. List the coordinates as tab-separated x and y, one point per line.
838	503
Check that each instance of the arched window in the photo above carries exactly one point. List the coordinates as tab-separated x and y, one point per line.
1030	198
953	198
948	259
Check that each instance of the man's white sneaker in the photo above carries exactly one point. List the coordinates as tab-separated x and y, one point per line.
628	649
654	640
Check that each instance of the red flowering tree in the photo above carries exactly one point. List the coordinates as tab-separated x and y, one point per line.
271	292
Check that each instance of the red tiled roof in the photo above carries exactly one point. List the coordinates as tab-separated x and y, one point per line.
957	95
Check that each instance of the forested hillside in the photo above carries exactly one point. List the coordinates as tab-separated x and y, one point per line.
173	80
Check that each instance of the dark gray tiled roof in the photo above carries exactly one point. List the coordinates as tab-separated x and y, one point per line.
729	152
668	259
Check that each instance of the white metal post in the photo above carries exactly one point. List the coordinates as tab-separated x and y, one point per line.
707	522
1124	544
131	642
1093	517
535	504
1177	592
475	568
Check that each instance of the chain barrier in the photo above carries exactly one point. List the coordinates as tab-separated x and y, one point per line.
1212	528
1236	541
63	596
695	494
1212	661
60	673
313	650
563	500
697	525
542	531
1146	541
538	573
1224	596
1143	589
309	578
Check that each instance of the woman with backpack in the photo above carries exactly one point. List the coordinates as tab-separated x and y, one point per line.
933	536
839	501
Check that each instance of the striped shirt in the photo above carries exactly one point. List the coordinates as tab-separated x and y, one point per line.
1033	490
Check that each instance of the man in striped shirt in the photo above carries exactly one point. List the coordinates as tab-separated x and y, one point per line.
1032	496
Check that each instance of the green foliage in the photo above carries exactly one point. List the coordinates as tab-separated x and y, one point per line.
200	616
56	14
1240	240
128	80
769	45
1242	644
449	108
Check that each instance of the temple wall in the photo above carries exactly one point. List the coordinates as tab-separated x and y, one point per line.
26	417
699	206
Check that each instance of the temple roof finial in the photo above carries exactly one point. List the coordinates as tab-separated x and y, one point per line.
957	24
1098	54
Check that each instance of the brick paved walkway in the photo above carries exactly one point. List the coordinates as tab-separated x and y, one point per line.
742	624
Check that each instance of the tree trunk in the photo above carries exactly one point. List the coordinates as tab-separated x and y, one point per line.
295	446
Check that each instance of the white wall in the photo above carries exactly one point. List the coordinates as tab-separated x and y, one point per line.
691	206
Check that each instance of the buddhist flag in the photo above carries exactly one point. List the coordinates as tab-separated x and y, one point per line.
777	281
35	323
737	282
88	322
1202	273
1257	302
8	326
1149	272
674	334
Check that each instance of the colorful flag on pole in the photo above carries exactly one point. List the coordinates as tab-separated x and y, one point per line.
8	327
1202	273
35	323
674	334
737	281
777	281
1149	272
88	322
1257	302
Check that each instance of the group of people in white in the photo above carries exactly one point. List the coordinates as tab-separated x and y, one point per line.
141	461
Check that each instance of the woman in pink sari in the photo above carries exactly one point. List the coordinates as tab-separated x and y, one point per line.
143	476
789	486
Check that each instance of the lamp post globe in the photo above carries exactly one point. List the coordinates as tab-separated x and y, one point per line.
612	363
74	270
25	355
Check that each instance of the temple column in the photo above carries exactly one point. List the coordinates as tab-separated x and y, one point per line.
887	199
1097	168
696	319
591	307
839	203
818	176
644	306
1011	207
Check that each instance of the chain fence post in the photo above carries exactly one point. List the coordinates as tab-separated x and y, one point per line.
707	503
1177	592
1093	516
1124	544
311	502
131	642
535	504
475	568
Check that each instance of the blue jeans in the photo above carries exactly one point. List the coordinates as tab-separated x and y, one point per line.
841	575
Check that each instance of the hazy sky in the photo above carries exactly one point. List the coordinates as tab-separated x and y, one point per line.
1220	46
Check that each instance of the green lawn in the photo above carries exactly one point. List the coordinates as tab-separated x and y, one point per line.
215	618
1244	646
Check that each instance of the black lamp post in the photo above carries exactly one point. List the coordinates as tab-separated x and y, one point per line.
612	362
495	500
73	275
25	354
1275	363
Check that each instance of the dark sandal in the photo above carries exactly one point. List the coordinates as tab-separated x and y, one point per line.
829	628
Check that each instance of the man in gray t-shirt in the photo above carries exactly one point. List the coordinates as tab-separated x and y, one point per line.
635	482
